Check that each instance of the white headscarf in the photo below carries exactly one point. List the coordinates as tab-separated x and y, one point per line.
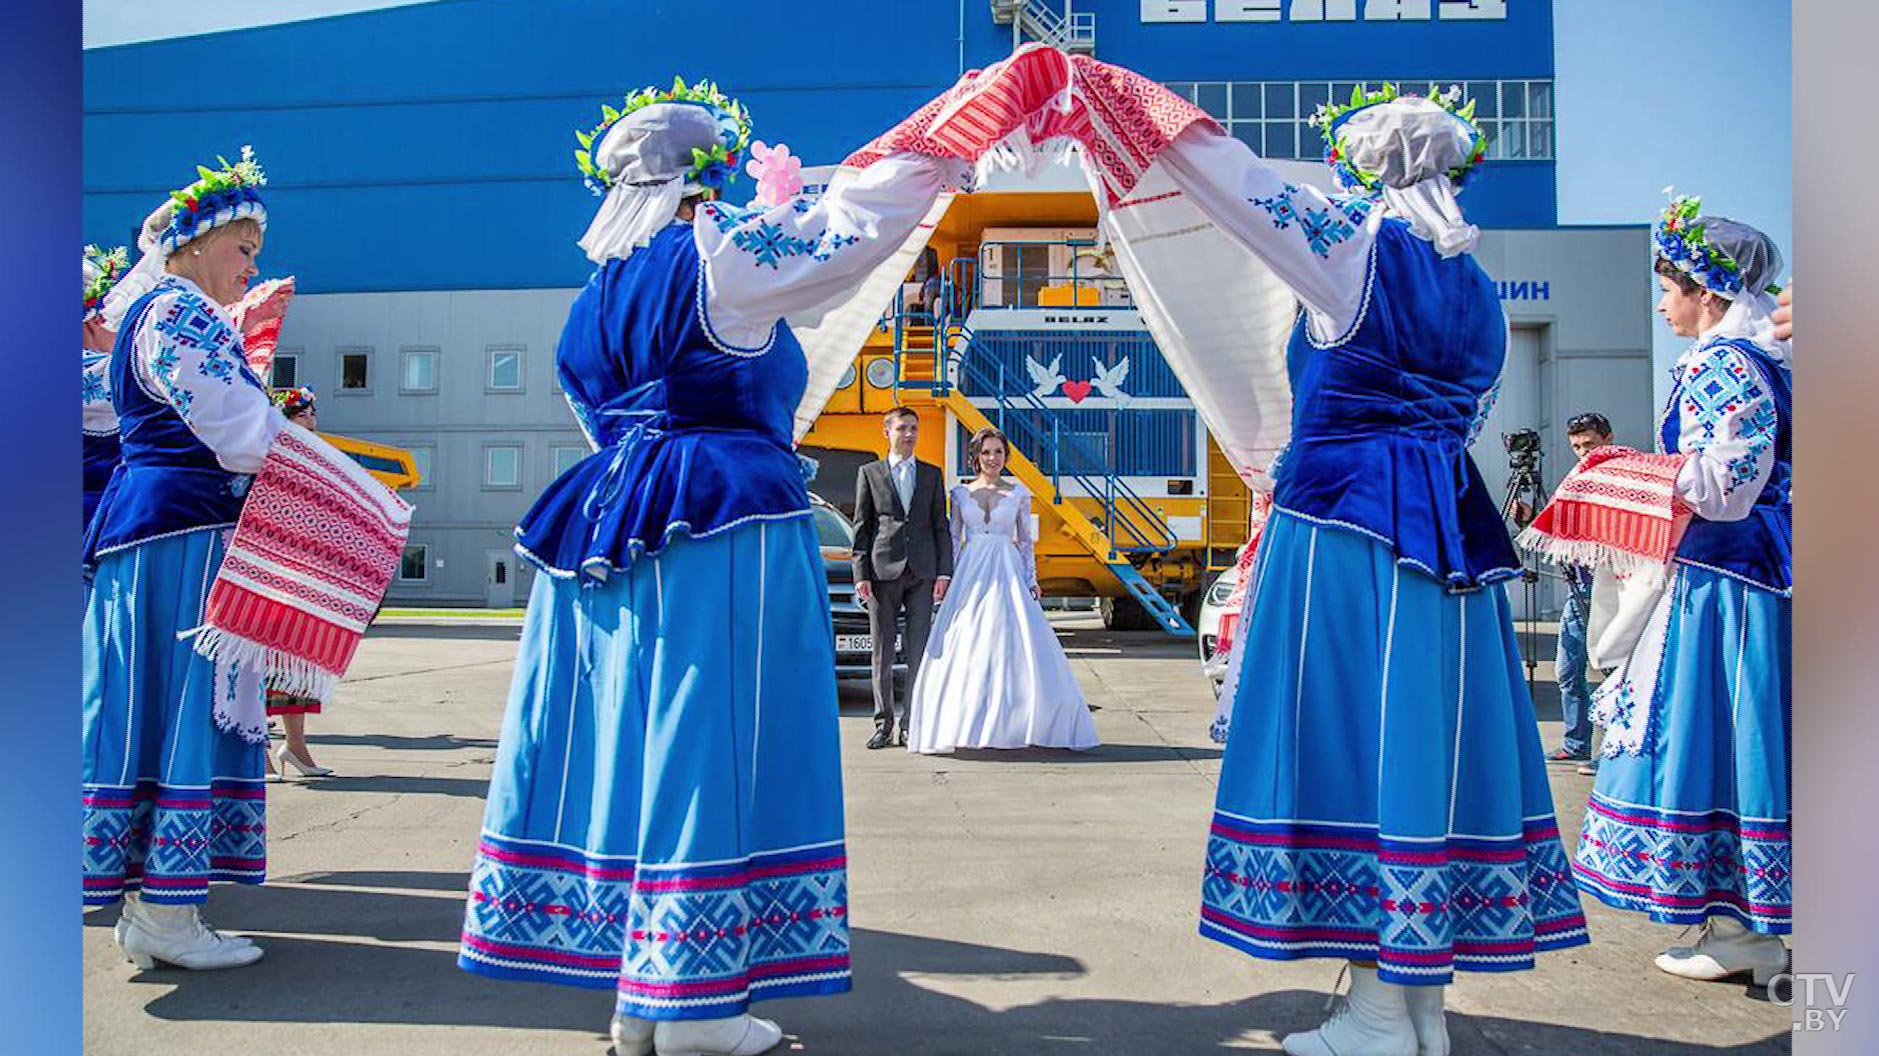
1758	262
647	154
1412	144
142	278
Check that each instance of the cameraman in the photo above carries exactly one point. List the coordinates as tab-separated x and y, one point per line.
1585	433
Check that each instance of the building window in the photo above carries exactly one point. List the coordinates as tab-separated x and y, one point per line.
285	373
567	458
415	564
421	460
505	369
502	466
355	370
1273	117
417	370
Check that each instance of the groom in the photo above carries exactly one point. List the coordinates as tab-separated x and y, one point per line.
903	560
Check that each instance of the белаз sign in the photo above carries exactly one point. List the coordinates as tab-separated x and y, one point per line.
1325	10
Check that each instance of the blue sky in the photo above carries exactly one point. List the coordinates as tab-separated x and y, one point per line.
1715	120
1694	93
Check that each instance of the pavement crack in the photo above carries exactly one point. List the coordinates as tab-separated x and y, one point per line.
390	801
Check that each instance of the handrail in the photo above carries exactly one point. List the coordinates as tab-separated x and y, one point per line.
1113	490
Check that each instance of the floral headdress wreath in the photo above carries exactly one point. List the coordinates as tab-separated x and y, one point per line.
1681	239
219	196
292	401
712	168
1330	119
103	269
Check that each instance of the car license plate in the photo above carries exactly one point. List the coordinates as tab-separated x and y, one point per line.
854	643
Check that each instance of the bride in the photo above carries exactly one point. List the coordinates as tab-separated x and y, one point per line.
994	675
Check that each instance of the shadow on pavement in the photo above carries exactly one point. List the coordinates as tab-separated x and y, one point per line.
437	742
475	788
1107	753
898	1004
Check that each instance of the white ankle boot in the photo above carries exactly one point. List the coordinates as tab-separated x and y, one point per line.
1425	1014
744	1035
1372	1021
132	905
632	1036
175	935
1724	949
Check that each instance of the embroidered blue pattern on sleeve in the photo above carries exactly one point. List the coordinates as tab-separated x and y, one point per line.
1322	228
1723	385
96	391
1484	406
191	323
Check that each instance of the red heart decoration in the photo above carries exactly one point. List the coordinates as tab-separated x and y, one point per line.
1076	390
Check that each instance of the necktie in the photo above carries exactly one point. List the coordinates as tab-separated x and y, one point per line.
903	482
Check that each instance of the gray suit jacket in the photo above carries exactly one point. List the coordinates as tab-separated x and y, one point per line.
890	540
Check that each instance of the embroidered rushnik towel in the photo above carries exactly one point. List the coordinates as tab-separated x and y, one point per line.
1617	509
311	558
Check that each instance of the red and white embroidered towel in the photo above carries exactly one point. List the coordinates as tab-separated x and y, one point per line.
1121	119
311	558
1617	509
258	315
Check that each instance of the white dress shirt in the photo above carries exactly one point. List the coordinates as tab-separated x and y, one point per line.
900	473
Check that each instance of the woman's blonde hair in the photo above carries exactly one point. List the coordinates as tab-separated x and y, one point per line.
976	446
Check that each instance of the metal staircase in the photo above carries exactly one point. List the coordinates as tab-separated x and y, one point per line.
1040	21
934	355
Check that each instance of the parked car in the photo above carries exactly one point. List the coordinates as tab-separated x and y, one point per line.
854	638
1216	625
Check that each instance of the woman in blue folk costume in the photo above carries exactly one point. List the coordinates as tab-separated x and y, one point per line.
1383	797
1689	819
173	793
102	271
665	816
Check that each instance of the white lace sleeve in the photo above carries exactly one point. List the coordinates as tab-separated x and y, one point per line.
100	417
1316	244
189	356
1727	423
762	266
1027	539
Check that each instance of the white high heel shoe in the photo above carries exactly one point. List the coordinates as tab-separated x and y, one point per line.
632	1036
744	1035
1725	949
284	755
1372	1021
175	935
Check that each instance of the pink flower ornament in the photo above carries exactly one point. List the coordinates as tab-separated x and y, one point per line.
778	173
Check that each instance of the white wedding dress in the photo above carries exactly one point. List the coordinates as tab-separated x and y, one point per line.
994	675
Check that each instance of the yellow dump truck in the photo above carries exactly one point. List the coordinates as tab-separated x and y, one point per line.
393	467
1035	332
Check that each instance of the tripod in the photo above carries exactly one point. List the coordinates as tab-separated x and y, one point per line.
1525	488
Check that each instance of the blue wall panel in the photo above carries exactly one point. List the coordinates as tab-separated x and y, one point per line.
429	147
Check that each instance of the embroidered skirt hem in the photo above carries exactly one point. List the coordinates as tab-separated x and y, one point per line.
170	803
665	816
1383	794
1698	823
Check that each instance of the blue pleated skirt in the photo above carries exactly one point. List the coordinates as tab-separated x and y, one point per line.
170	802
1383	795
1698	824
665	815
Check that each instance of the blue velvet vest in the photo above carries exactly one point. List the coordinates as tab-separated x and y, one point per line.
167	482
694	435
1760	547
1380	420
